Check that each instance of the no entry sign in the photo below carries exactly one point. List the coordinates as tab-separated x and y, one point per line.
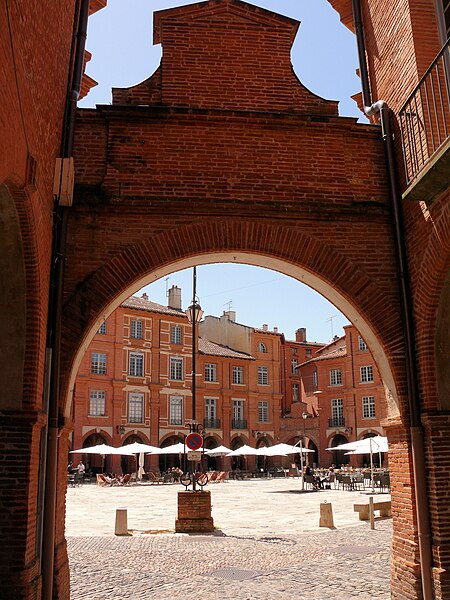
194	441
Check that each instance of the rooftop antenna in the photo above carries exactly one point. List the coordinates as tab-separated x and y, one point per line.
331	323
229	304
167	286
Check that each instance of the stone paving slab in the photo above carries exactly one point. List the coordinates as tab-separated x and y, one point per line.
269	546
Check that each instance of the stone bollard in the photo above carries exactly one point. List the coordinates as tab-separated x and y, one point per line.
121	522
326	515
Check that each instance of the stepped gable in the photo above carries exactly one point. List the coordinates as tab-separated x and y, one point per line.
226	55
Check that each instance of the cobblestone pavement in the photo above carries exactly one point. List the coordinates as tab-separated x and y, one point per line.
248	559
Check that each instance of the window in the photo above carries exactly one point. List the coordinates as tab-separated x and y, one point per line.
175	334
293	366
210	372
315	379
136	408
102	328
136	329
366	374
98	363
238	375
210	409
97	403
261	347
263	411
295	392
335	377
368	407
176	368
361	343
263	376
176	410
308	352
238	410
337	411
136	364
294	351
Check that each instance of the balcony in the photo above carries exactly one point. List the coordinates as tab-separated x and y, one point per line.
425	131
336	422
210	423
238	424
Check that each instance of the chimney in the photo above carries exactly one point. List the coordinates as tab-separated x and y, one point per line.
174	297
144	296
231	314
265	327
300	335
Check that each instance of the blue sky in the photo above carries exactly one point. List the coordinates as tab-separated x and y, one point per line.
325	60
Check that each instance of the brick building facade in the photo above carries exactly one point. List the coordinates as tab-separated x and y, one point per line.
253	386
226	158
135	380
342	384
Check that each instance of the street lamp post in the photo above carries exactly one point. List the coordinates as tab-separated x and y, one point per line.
194	314
304	416
194	509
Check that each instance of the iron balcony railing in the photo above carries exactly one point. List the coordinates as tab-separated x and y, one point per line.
425	117
211	423
336	422
238	424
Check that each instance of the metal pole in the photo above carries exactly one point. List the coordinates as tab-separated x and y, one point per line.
194	333
301	466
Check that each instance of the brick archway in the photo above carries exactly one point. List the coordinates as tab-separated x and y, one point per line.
341	281
217	157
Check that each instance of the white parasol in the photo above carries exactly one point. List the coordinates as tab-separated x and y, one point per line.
137	447
103	449
218	451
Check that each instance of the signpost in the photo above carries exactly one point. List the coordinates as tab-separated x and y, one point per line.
194	456
194	441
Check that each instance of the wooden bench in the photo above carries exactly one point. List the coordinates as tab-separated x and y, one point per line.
384	506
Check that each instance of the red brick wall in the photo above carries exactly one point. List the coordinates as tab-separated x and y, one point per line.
158	185
402	40
33	80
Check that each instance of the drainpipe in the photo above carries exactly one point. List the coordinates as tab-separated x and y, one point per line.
416	429
55	313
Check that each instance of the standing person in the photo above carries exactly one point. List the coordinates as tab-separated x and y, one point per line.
81	469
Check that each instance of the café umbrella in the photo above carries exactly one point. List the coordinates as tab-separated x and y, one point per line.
369	446
138	448
244	451
103	449
178	448
283	450
218	451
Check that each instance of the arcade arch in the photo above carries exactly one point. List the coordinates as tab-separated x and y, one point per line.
355	314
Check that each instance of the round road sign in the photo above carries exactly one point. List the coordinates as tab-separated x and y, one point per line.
194	441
